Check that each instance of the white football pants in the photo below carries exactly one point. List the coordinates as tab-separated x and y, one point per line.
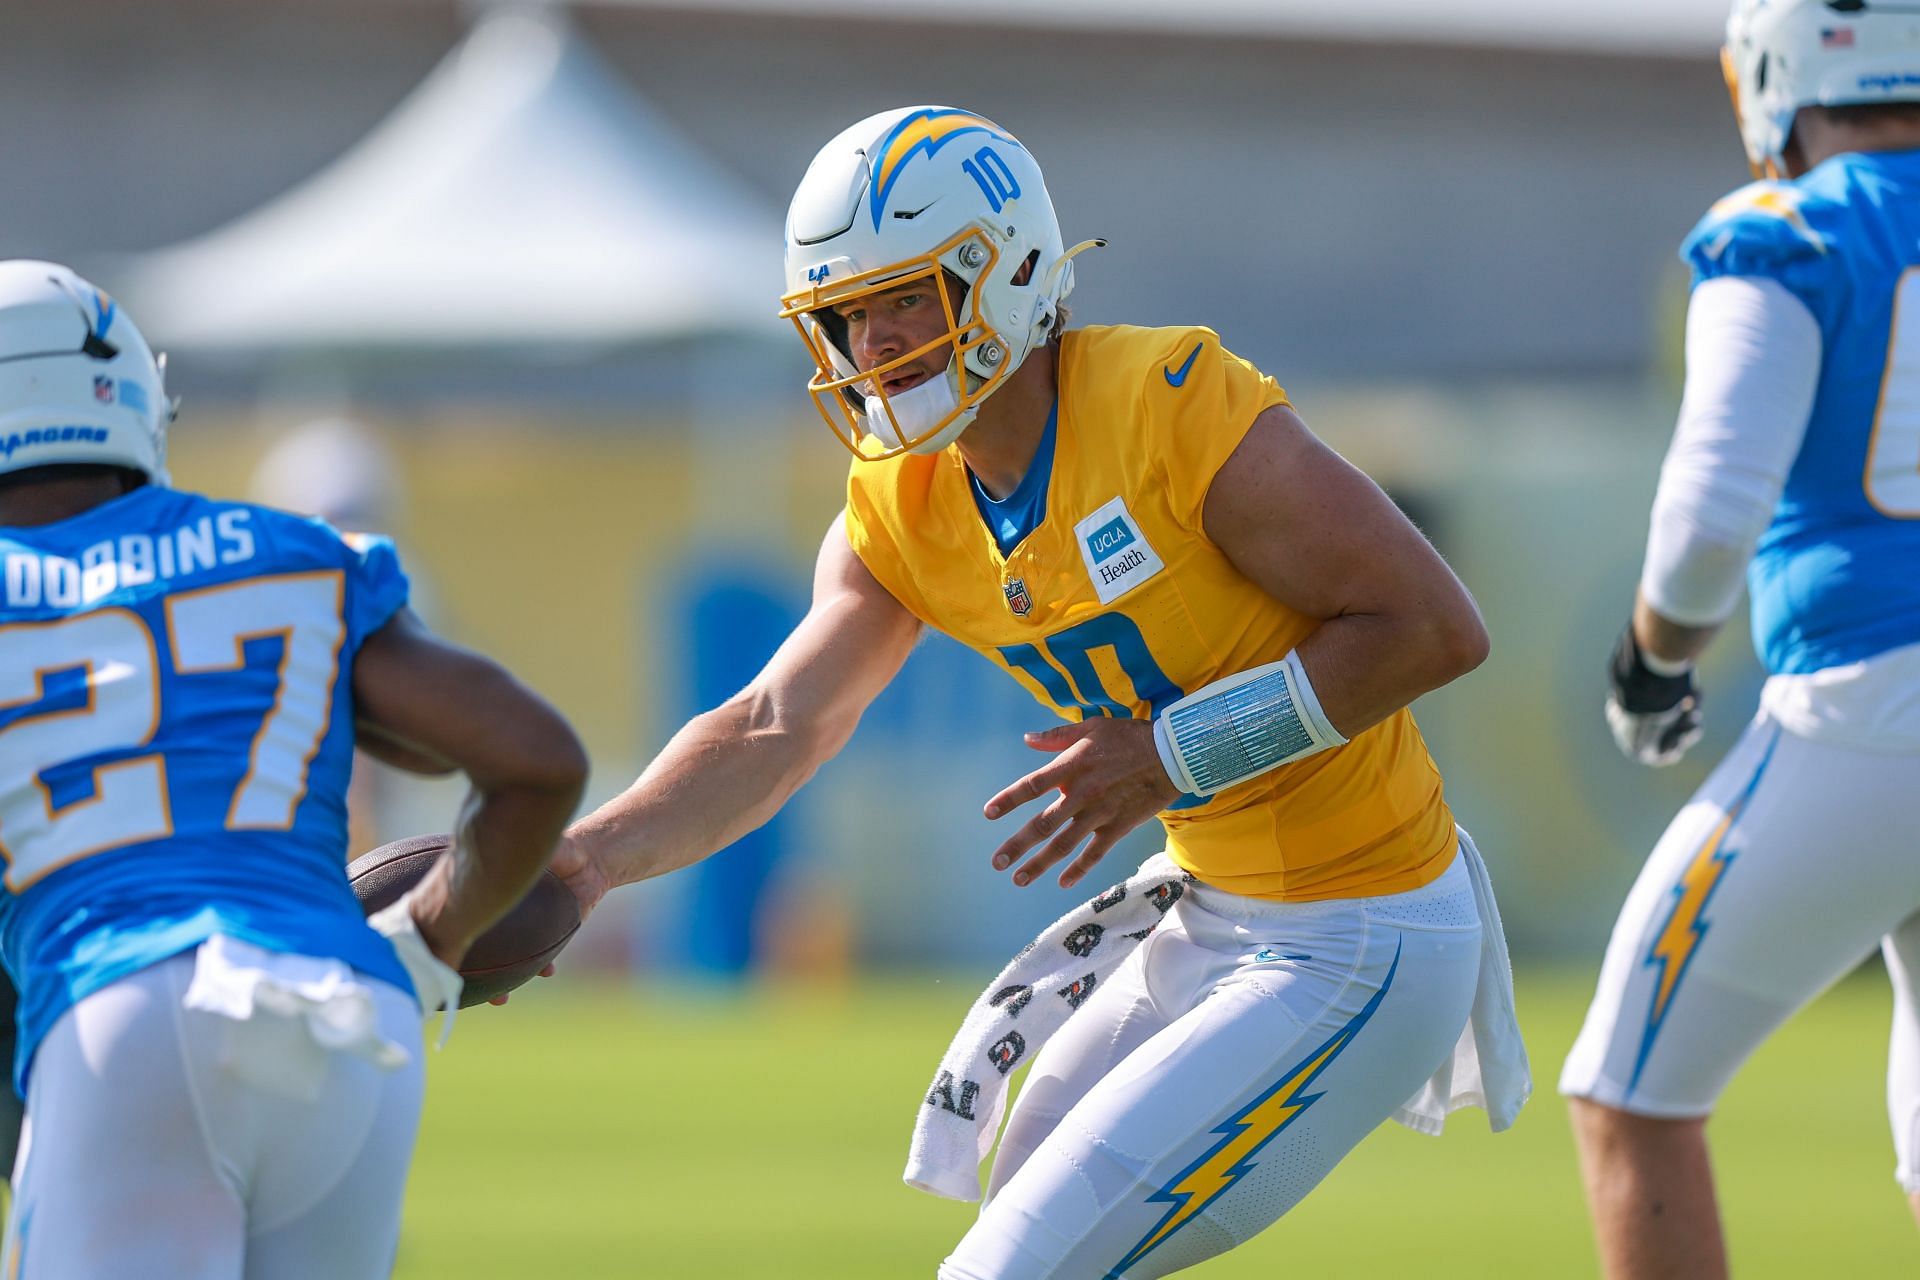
144	1156
1788	866
1218	1075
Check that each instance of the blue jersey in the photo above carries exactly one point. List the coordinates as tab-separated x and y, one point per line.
1836	575
176	734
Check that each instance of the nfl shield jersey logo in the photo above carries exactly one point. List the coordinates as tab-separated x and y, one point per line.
103	389
1017	598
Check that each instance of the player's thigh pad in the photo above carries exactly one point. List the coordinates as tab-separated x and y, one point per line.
1776	878
143	1155
1119	1017
1289	1032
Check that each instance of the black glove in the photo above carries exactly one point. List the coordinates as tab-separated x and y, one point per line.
1654	718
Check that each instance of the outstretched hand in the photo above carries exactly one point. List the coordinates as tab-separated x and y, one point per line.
581	873
1110	780
584	876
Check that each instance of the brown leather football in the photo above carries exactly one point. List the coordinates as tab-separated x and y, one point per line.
519	945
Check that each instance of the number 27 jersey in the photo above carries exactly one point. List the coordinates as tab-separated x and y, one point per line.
176	735
1117	603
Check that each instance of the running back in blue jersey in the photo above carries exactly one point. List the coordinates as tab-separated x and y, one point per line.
1834	577
176	735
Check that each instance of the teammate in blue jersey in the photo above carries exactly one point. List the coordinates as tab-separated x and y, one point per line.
1797	460
221	1061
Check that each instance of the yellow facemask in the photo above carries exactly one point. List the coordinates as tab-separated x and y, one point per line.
837	385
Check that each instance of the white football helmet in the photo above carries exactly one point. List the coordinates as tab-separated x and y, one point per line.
1782	55
905	195
77	381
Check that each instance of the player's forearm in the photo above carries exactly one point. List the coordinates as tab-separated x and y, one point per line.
504	837
423	701
723	775
1665	640
1365	667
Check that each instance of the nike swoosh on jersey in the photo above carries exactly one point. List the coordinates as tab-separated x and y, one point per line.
1175	379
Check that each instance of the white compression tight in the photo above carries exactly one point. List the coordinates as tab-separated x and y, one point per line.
143	1155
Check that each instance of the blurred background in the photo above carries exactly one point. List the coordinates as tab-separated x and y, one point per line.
500	280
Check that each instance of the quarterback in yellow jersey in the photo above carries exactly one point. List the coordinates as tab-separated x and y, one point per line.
1232	621
1119	588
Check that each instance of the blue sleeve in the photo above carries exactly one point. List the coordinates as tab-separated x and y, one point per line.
376	585
1768	229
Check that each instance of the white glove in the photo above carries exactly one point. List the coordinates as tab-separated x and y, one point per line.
435	985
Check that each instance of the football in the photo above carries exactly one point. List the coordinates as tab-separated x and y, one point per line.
518	946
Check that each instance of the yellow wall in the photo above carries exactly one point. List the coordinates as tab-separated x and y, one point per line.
549	547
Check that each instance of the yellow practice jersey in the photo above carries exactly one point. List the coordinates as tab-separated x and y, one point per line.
1117	603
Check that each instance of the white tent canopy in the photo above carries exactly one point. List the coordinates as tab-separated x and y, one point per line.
520	196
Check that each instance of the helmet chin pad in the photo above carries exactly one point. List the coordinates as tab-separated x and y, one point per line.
922	419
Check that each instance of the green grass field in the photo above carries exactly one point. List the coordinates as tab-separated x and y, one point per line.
590	1132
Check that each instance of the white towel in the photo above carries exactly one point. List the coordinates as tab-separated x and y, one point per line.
1488	1067
1030	1000
289	1013
435	985
1052	976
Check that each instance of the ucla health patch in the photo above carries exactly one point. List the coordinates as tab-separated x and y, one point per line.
1116	551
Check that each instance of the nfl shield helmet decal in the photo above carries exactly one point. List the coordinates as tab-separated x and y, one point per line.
1017	598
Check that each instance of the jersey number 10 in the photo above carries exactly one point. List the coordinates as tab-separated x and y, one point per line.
1071	652
120	659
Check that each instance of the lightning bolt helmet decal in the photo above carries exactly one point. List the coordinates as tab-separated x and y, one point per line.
922	132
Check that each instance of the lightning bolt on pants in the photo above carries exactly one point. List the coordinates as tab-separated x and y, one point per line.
1790	864
1218	1075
